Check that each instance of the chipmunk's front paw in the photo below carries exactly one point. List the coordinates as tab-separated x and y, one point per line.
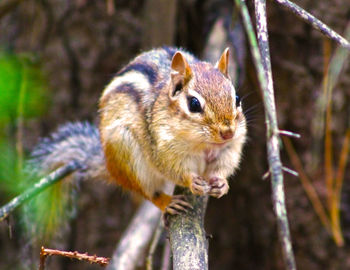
218	187
199	186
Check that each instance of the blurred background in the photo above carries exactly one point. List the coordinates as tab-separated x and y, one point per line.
56	57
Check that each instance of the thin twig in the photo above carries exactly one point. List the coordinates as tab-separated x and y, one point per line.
294	173
102	261
289	133
40	186
266	175
154	243
316	23
166	256
263	67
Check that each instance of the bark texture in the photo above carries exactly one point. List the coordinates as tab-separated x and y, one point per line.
188	239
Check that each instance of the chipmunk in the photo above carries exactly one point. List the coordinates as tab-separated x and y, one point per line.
167	116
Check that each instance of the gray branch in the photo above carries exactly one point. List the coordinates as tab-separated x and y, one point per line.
263	66
316	23
273	148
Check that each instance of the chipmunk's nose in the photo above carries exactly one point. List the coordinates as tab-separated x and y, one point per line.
226	134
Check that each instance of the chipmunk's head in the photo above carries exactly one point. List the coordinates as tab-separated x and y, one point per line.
205	101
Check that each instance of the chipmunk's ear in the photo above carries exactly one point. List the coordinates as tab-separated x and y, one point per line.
222	64
181	72
179	64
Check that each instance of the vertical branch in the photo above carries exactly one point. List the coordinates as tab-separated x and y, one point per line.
153	246
187	236
263	67
273	138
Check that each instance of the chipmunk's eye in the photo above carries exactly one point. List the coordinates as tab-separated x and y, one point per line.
194	105
238	101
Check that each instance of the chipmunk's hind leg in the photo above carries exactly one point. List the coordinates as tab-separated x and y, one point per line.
177	205
172	205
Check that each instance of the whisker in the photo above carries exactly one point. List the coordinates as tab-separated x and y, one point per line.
247	95
253	108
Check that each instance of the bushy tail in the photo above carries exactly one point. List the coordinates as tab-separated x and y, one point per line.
78	141
49	212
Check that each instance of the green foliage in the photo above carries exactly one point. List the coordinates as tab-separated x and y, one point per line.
24	95
9	175
22	83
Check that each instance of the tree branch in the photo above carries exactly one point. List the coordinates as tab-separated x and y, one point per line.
40	186
263	66
134	242
316	23
187	236
273	132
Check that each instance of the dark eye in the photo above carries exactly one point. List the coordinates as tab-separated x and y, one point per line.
194	105
238	101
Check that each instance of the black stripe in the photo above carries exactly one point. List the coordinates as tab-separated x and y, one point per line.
145	69
129	88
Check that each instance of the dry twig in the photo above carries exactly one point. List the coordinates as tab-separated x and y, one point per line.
45	252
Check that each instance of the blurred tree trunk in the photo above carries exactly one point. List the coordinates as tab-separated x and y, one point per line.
159	23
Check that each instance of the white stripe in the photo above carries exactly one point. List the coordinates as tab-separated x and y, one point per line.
138	79
115	124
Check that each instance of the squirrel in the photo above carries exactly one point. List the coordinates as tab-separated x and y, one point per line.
165	117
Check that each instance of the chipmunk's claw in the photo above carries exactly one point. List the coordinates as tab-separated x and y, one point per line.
177	206
199	186
218	187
